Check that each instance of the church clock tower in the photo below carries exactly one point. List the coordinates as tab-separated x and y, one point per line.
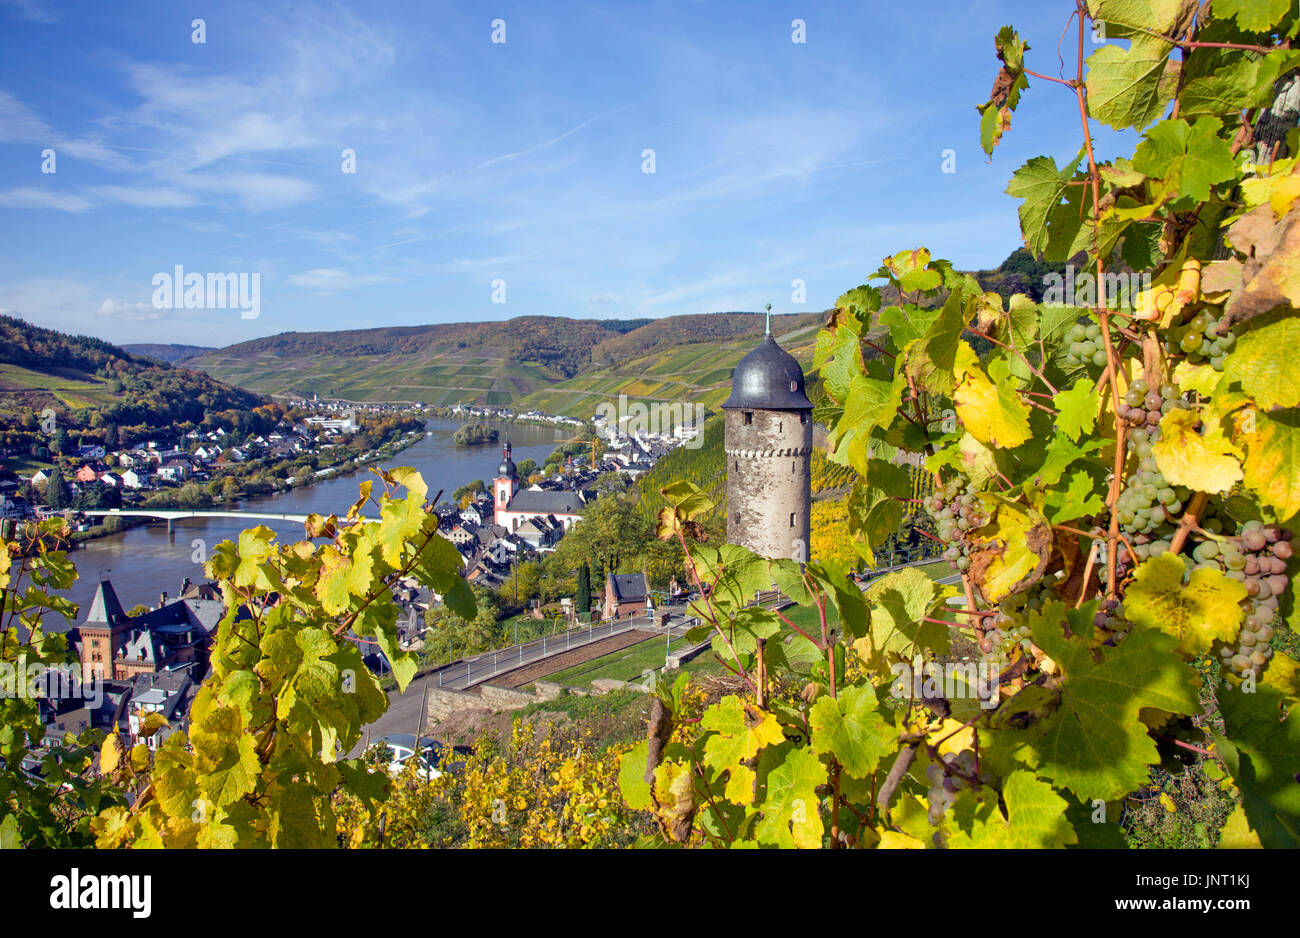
505	485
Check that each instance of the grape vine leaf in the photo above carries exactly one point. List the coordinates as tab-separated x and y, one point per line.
1262	752
225	760
1094	744
1272	464
990	409
1012	551
1228	82
738	730
1263	362
1204	462
1042	185
1190	158
932	359
1035	818
838	354
1079	499
631	777
899	602
791	808
1076	408
852	729
1130	87
1257	16
1271	275
1196	614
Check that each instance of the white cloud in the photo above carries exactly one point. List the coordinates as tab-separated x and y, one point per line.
27	197
326	280
132	312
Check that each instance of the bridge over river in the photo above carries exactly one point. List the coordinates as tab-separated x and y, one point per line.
173	515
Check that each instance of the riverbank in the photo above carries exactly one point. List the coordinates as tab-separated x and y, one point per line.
328	473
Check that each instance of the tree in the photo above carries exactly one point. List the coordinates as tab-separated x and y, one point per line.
57	495
583	599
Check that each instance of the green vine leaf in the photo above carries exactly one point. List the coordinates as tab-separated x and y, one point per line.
851	729
1094	744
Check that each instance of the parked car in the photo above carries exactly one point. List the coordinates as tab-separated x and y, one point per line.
396	749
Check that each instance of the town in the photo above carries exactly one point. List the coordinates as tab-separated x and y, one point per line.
152	659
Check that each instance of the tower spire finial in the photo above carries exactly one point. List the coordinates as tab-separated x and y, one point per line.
767	330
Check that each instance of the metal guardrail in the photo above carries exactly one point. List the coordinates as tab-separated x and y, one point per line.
464	674
461	675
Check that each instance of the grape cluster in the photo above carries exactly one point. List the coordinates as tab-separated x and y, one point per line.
944	785
1203	339
1086	346
1257	558
956	511
1009	630
1110	616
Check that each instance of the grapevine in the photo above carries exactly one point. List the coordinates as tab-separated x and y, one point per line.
1117	495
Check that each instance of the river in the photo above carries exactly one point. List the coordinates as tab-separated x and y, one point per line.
144	562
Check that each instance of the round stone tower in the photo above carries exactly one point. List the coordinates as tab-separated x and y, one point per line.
768	442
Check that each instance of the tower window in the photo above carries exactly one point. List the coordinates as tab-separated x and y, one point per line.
793	464
792	519
736	464
780	425
749	416
803	418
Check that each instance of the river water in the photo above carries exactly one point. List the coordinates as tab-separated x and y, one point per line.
144	562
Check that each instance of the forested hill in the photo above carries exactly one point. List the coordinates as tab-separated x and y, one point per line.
90	380
168	354
557	343
578	362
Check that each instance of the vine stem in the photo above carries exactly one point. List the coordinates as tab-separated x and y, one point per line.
955	625
1189	521
1012	348
1103	316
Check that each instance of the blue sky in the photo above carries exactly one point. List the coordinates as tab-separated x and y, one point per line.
478	161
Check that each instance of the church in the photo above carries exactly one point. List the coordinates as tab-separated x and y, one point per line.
514	505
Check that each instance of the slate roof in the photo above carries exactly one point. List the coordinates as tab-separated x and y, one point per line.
768	378
628	587
546	503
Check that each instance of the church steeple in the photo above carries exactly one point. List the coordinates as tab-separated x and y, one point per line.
506	483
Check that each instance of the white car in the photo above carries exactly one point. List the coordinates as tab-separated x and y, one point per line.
401	747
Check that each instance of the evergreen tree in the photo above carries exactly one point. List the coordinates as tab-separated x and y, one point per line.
583	600
57	493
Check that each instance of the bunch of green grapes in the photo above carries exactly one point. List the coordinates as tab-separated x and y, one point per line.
945	782
1203	338
956	512
1009	630
1257	558
1086	345
1149	505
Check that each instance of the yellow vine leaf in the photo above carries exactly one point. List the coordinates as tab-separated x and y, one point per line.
1204	462
1177	286
1205	609
993	413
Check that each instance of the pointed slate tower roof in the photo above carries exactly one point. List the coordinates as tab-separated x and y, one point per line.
105	608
